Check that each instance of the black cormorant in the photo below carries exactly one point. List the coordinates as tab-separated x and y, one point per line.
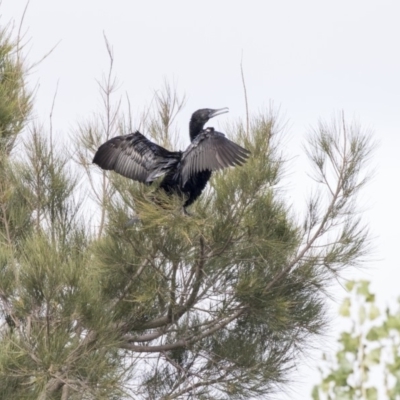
185	173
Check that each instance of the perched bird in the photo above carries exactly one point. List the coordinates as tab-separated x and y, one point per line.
185	173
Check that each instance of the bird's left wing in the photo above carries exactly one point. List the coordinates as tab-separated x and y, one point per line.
135	157
211	151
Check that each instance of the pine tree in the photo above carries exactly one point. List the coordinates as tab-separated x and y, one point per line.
217	304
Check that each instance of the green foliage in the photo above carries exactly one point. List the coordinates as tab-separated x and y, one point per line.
15	98
369	350
139	300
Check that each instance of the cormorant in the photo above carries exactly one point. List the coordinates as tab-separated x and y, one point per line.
185	173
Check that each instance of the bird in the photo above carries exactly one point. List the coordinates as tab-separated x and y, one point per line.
184	173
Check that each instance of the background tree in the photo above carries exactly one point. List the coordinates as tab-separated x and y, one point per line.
15	99
368	361
215	305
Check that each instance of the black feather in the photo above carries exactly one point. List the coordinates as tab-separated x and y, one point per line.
185	173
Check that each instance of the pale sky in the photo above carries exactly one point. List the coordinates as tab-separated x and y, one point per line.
311	58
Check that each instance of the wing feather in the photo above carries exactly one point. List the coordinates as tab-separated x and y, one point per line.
212	151
135	157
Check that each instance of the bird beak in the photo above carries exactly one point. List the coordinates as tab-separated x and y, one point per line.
219	111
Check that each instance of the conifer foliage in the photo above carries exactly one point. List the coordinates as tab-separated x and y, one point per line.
142	301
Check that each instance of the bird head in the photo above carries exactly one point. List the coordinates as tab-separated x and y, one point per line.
201	117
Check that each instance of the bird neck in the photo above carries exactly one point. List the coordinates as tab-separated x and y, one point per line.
195	127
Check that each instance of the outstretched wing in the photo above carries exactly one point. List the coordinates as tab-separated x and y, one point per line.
135	157
212	151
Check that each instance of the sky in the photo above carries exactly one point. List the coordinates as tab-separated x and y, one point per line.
310	58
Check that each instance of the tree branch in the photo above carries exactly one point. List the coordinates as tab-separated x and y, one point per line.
184	342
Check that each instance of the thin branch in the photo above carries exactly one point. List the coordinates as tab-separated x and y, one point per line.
208	382
129	284
174	317
185	342
21	23
245	96
308	245
51	123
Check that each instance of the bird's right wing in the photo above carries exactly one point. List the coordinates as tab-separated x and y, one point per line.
135	157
